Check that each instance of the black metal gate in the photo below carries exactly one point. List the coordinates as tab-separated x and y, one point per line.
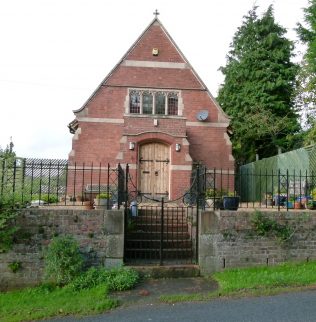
159	231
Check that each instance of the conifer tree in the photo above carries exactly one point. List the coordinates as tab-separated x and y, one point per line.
258	88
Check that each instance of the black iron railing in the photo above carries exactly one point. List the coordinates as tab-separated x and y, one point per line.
281	189
43	182
39	182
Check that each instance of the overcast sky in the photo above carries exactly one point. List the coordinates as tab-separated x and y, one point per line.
55	53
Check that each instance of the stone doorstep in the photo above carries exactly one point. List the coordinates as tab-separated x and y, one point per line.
167	271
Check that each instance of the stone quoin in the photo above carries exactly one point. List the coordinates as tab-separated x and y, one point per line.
153	112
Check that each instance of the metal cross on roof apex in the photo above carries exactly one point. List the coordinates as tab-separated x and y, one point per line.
156	13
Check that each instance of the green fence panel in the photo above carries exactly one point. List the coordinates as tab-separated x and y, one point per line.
294	170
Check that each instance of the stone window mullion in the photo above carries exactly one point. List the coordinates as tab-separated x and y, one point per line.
166	104
141	102
154	102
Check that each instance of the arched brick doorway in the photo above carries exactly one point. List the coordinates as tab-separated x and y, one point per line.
154	161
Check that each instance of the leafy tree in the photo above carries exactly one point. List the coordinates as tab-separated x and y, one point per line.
7	153
8	208
258	89
7	159
306	80
308	34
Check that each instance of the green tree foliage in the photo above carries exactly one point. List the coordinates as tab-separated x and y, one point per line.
8	207
305	101
306	80
8	213
7	153
63	261
308	34
258	89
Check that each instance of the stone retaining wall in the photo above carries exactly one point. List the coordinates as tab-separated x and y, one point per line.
228	239
100	234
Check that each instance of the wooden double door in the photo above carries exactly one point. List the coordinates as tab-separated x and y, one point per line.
154	162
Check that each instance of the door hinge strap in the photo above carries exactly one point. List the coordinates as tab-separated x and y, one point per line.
167	160
143	160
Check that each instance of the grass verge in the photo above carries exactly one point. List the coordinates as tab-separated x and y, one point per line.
87	294
41	302
255	281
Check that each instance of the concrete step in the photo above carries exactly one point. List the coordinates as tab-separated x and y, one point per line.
155	244
168	253
157	219
157	213
167	271
167	211
167	227
155	235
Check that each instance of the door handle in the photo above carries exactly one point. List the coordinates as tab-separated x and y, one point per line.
156	173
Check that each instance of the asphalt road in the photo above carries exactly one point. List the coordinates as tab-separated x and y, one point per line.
292	307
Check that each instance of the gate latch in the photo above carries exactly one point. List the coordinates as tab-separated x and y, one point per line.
156	173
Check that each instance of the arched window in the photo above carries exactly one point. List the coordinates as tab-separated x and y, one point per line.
134	102
172	104
147	103
160	103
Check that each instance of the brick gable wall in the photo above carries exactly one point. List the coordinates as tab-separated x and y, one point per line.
154	77
106	128
155	37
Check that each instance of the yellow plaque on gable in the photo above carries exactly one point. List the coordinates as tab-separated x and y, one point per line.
155	51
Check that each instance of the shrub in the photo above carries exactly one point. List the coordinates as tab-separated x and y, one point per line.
63	261
49	198
212	193
122	279
46	198
104	195
15	266
266	227
8	213
118	279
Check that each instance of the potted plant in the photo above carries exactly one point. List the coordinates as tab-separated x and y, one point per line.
268	199
280	199
212	197
103	200
313	194
298	204
231	201
311	204
290	203
84	201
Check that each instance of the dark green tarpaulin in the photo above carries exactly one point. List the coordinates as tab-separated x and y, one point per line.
291	172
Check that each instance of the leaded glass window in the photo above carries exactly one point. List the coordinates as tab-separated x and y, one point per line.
152	102
160	102
147	103
172	104
134	102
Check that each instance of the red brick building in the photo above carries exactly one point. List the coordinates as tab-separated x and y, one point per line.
154	113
